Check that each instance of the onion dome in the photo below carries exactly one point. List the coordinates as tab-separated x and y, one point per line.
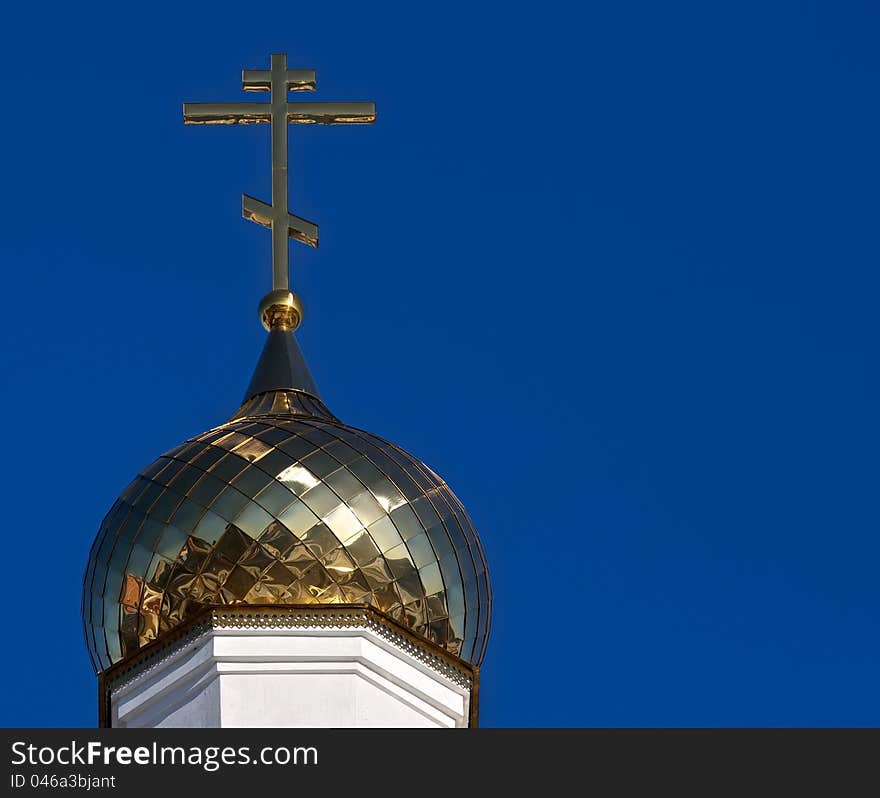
284	504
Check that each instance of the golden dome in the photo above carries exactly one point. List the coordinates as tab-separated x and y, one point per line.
284	504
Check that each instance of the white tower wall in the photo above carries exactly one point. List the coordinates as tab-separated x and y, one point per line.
294	672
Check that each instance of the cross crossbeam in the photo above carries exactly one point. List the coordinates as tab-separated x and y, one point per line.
261	213
279	113
261	80
297	113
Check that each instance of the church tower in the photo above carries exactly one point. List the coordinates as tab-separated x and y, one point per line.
285	569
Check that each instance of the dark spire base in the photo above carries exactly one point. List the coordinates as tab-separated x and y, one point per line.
281	367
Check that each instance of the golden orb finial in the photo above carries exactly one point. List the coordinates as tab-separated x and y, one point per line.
281	310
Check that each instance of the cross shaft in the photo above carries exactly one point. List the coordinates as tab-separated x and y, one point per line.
278	97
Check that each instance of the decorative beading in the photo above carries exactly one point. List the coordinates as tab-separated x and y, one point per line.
222	619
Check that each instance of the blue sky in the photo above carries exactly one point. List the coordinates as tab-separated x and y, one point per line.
610	269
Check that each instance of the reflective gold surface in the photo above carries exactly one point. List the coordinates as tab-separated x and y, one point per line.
281	310
245	113
256	211
284	504
261	80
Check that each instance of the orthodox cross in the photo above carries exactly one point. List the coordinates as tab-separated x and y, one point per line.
278	112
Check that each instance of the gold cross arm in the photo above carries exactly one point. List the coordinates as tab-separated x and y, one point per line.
294	80
297	113
257	211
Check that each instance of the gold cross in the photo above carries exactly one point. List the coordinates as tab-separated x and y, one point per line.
278	112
